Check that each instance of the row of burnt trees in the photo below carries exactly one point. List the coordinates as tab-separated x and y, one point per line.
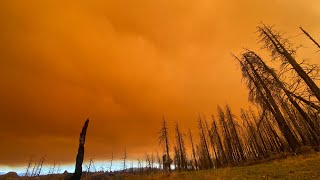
286	119
295	116
35	169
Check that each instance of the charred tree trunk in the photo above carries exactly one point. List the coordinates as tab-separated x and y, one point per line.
164	140
79	160
124	158
204	141
235	137
226	134
40	166
309	36
111	161
252	134
193	151
215	159
181	148
28	167
220	146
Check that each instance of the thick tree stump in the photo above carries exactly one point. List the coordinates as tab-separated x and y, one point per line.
79	160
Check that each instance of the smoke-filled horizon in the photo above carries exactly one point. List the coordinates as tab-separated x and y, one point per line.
125	65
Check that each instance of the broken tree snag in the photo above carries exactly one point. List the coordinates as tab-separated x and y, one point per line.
78	171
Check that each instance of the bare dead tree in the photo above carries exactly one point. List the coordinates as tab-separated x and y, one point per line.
58	169
40	166
267	99
277	82
79	159
28	167
193	151
310	37
181	148
281	48
215	157
176	158
204	144
140	166
91	166
111	161
221	153
52	169
124	158
148	162
34	169
164	140
152	161
226	135
131	167
254	138
236	143
158	159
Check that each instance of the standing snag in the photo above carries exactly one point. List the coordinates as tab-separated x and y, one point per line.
111	162
28	167
124	158
182	163
195	165
164	141
79	159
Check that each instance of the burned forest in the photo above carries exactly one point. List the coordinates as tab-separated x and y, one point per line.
283	119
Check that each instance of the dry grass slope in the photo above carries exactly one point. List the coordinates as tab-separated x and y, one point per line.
298	167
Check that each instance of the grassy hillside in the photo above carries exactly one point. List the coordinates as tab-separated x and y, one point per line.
298	167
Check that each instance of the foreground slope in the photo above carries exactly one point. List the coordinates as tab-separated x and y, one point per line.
297	167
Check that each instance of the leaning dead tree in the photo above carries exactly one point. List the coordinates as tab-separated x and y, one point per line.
111	162
158	159
91	166
148	162
28	167
164	141
52	168
34	169
79	159
195	162
310	37
261	93
312	127
205	159
124	158
40	166
181	149
282	49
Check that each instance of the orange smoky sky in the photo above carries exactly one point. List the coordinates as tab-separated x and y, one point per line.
125	64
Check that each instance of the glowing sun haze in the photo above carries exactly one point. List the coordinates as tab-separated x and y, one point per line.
124	64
